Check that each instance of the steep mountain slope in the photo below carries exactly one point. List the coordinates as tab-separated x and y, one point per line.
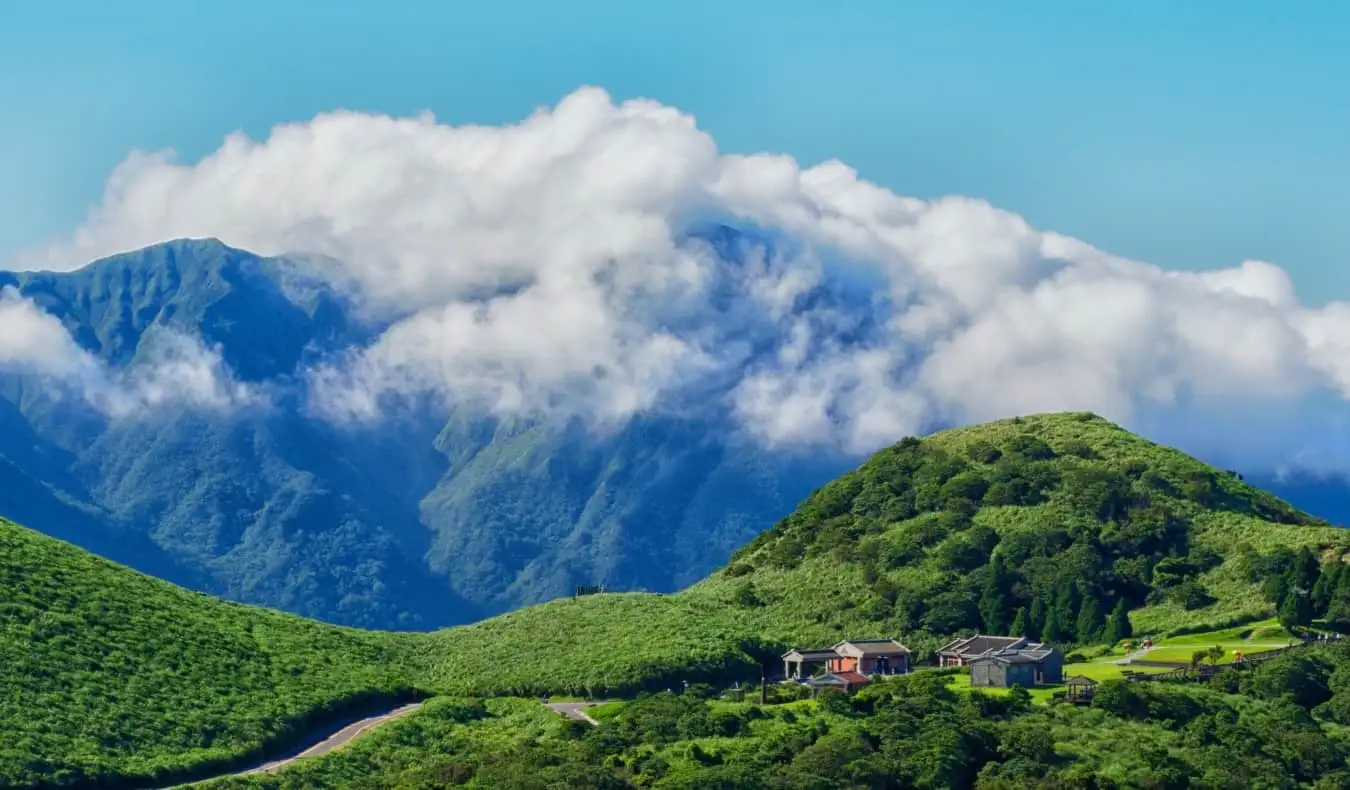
430	517
107	673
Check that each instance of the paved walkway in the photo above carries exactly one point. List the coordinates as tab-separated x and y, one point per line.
1135	656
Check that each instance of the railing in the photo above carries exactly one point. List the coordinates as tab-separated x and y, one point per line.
1200	671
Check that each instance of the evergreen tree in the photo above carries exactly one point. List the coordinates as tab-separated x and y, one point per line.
1338	608
1036	619
1055	629
993	602
1090	621
1295	611
1067	602
1118	626
1020	623
1303	572
1325	588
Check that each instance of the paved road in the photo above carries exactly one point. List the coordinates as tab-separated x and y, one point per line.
316	747
575	710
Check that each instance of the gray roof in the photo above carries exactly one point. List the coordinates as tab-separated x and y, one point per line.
812	653
1030	653
875	647
978	644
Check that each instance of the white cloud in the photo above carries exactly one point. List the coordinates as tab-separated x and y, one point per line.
171	369
572	223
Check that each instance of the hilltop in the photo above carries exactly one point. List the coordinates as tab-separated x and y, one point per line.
1035	517
111	672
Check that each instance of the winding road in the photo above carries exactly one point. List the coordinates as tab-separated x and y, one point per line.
316	744
340	738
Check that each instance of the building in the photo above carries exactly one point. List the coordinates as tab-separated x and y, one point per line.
847	682
1002	661
862	657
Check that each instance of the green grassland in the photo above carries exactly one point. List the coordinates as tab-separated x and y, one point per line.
112	674
108	673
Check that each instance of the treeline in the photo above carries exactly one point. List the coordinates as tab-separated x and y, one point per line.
1301	589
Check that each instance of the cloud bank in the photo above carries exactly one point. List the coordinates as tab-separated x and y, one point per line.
171	369
549	265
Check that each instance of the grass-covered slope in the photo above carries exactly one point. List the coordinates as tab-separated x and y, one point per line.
1038	517
105	672
1053	521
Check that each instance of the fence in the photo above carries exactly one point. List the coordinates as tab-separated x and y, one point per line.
1201	671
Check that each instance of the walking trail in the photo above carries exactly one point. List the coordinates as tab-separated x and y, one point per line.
1135	656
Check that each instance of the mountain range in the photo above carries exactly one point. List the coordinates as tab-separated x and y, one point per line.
435	515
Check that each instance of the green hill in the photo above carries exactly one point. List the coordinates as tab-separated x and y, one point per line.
108	673
111	673
1038	515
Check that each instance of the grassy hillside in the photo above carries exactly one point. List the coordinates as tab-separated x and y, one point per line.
1021	524
105	672
1033	517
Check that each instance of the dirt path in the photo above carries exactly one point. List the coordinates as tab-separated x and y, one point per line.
574	710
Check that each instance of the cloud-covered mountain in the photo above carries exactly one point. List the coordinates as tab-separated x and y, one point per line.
217	463
482	364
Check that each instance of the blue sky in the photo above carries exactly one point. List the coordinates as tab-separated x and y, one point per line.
1190	137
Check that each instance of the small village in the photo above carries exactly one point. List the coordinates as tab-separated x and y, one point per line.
1004	662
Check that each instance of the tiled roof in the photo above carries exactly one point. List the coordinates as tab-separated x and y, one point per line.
813	653
875	647
1027	653
852	677
978	644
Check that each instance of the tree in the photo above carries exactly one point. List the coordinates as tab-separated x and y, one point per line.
993	602
1056	630
1302	574
1118	625
1020	624
1295	611
1090	621
1036	619
1325	588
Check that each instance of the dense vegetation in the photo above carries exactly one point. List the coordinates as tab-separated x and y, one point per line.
107	673
1047	525
1276	726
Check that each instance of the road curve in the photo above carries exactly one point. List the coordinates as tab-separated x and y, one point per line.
337	739
574	710
309	747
